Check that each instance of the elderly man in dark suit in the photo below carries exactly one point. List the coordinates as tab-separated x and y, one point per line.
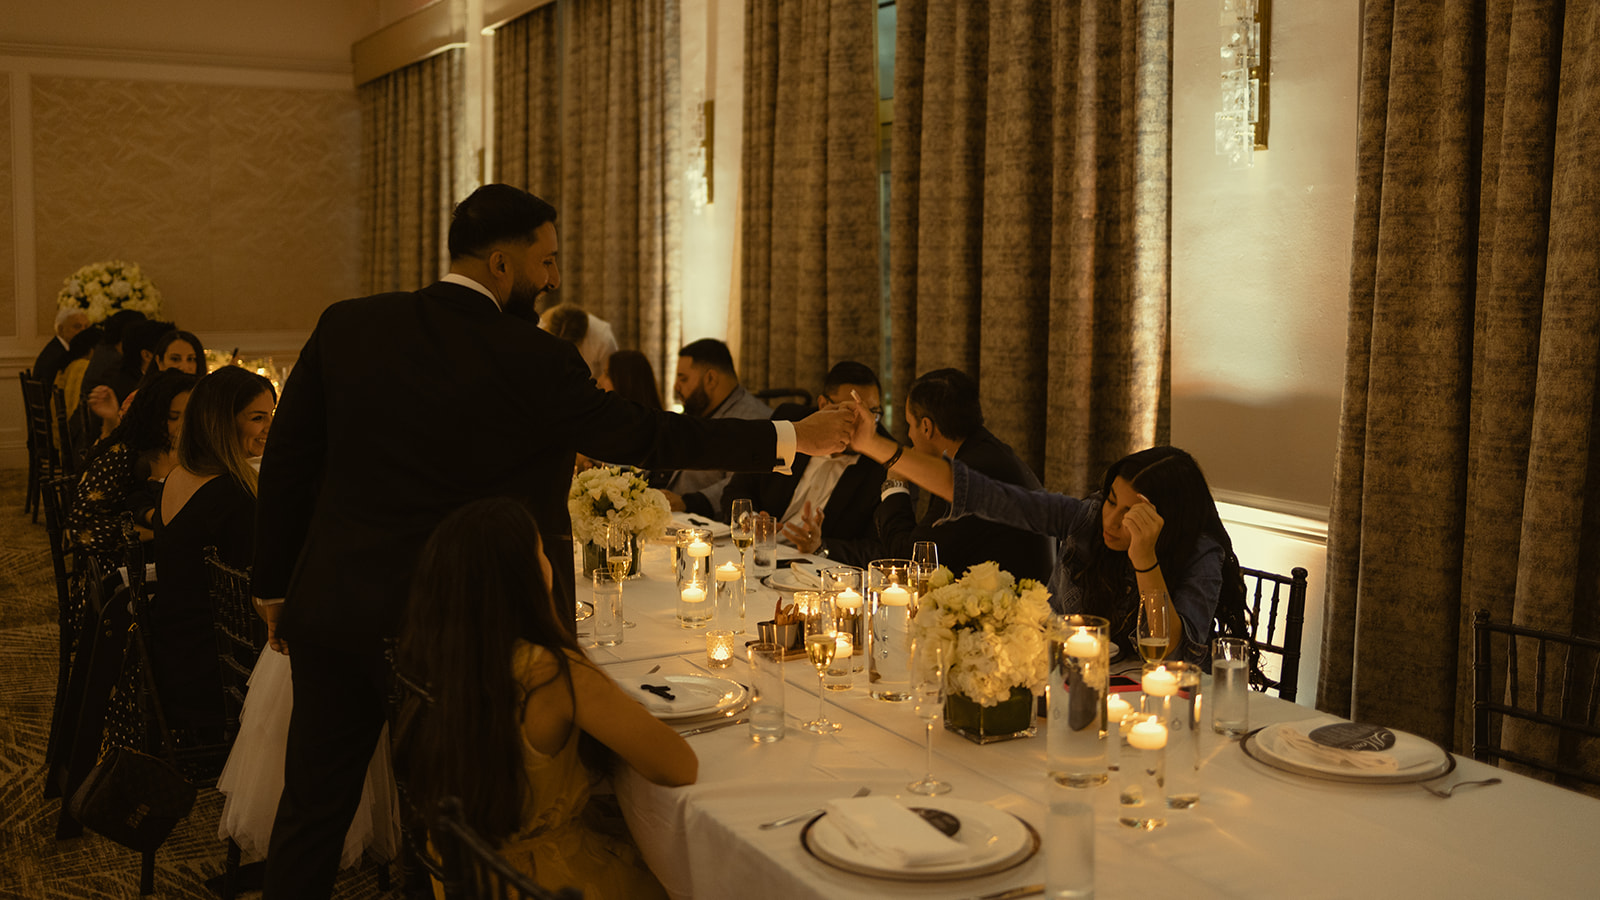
69	322
401	408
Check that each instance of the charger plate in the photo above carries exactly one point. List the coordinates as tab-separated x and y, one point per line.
999	841
693	695
1258	750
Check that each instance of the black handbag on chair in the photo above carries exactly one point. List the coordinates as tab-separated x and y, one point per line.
131	797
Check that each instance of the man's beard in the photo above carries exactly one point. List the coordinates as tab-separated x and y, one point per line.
697	403
523	300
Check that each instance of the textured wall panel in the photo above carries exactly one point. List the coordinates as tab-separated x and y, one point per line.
8	238
240	203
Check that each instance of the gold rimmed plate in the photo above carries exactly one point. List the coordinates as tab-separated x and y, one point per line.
1437	767
997	841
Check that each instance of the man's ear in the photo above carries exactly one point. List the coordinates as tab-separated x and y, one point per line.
711	380
146	356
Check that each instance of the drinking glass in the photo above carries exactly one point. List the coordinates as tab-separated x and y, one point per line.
766	692
927	701
1230	686
765	549
619	556
607	624
924	559
1155	640
741	519
822	641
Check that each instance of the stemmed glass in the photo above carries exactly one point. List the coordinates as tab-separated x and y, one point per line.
924	559
1154	637
619	556
927	701
742	518
822	641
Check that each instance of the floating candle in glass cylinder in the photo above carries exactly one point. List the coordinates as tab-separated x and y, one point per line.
693	610
1143	796
840	676
730	596
1159	682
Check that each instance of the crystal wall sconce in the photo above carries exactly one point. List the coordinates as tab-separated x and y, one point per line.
1242	123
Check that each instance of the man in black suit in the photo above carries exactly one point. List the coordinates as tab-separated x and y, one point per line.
826	504
945	419
401	408
69	322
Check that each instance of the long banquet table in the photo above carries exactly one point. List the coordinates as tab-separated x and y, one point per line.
1256	832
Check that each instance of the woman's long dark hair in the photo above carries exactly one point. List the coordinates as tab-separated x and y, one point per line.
188	337
632	377
478	589
144	428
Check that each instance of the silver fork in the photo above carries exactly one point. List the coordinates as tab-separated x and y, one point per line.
1445	792
790	820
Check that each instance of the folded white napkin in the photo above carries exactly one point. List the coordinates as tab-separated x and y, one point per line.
651	701
1294	742
805	574
894	834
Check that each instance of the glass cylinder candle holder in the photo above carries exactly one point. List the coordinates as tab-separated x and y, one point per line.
1143	793
1119	718
730	596
840	676
844	583
691	557
694	605
1181	714
889	604
719	648
1079	677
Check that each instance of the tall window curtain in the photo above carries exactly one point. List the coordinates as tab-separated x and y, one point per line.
1468	473
587	102
411	171
809	282
1029	219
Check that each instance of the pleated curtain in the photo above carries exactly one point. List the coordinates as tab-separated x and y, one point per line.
810	288
412	174
1467	472
1029	221
587	117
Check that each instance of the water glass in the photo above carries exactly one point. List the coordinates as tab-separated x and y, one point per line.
1076	692
764	552
1069	846
889	601
1182	712
924	561
844	583
766	692
1229	698
606	626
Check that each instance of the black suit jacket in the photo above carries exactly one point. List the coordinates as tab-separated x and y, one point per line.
403	407
967	541
49	363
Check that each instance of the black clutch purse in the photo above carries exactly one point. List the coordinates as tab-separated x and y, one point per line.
133	798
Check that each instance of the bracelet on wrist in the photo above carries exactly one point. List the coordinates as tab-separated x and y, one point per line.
1153	566
898	450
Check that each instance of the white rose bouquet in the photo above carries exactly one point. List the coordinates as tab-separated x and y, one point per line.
993	629
102	288
615	495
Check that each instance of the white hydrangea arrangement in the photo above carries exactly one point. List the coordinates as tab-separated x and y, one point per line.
102	288
615	494
994	630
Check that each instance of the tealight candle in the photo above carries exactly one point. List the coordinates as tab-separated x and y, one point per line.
719	649
848	601
894	595
1148	735
1117	709
843	647
1159	682
1082	644
694	594
699	548
729	571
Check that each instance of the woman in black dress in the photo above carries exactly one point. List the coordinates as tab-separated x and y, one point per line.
208	500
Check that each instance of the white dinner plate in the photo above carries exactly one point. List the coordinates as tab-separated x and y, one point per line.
1263	751
997	841
786	580
692	695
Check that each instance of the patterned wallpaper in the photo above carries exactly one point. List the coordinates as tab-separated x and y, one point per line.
241	203
8	270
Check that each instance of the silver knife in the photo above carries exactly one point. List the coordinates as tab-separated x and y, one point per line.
715	725
1027	890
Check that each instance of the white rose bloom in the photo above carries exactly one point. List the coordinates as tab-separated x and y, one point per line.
121	288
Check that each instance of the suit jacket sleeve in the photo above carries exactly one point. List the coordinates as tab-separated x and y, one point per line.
291	472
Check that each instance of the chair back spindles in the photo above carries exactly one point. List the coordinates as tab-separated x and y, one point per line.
1576	702
472	870
1266	605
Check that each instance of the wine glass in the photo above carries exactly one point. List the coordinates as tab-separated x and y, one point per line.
618	546
822	641
1155	640
927	701
924	559
741	516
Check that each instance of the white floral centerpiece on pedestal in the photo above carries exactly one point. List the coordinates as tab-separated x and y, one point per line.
995	634
614	495
103	288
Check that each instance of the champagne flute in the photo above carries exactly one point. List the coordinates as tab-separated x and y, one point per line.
1155	640
927	701
619	556
741	517
822	637
924	559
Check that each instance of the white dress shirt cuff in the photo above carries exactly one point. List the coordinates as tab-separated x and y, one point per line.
786	446
890	492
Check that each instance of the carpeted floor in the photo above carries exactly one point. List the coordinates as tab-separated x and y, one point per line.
33	864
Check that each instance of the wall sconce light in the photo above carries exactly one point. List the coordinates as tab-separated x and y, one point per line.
1242	123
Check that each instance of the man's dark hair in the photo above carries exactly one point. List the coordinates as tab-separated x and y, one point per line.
710	352
566	321
495	213
950	398
849	372
113	327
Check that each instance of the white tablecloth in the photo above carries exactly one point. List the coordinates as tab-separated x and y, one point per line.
1256	832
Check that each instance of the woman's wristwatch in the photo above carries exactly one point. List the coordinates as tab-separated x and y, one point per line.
890	486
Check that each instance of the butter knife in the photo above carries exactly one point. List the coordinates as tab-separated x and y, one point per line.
1027	890
715	725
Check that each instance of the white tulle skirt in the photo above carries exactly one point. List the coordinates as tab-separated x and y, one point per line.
252	780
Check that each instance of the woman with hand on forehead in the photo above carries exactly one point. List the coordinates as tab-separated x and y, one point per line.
1151	532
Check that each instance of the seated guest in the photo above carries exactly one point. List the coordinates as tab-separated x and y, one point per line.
630	374
70	322
104	361
826	505
209	499
483	632
588	332
107	401
117	479
1151	535
708	387
945	418
179	349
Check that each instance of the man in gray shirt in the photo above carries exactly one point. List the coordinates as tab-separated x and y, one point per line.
708	387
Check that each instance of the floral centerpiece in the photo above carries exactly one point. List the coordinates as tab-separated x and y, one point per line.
102	288
610	495
995	634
